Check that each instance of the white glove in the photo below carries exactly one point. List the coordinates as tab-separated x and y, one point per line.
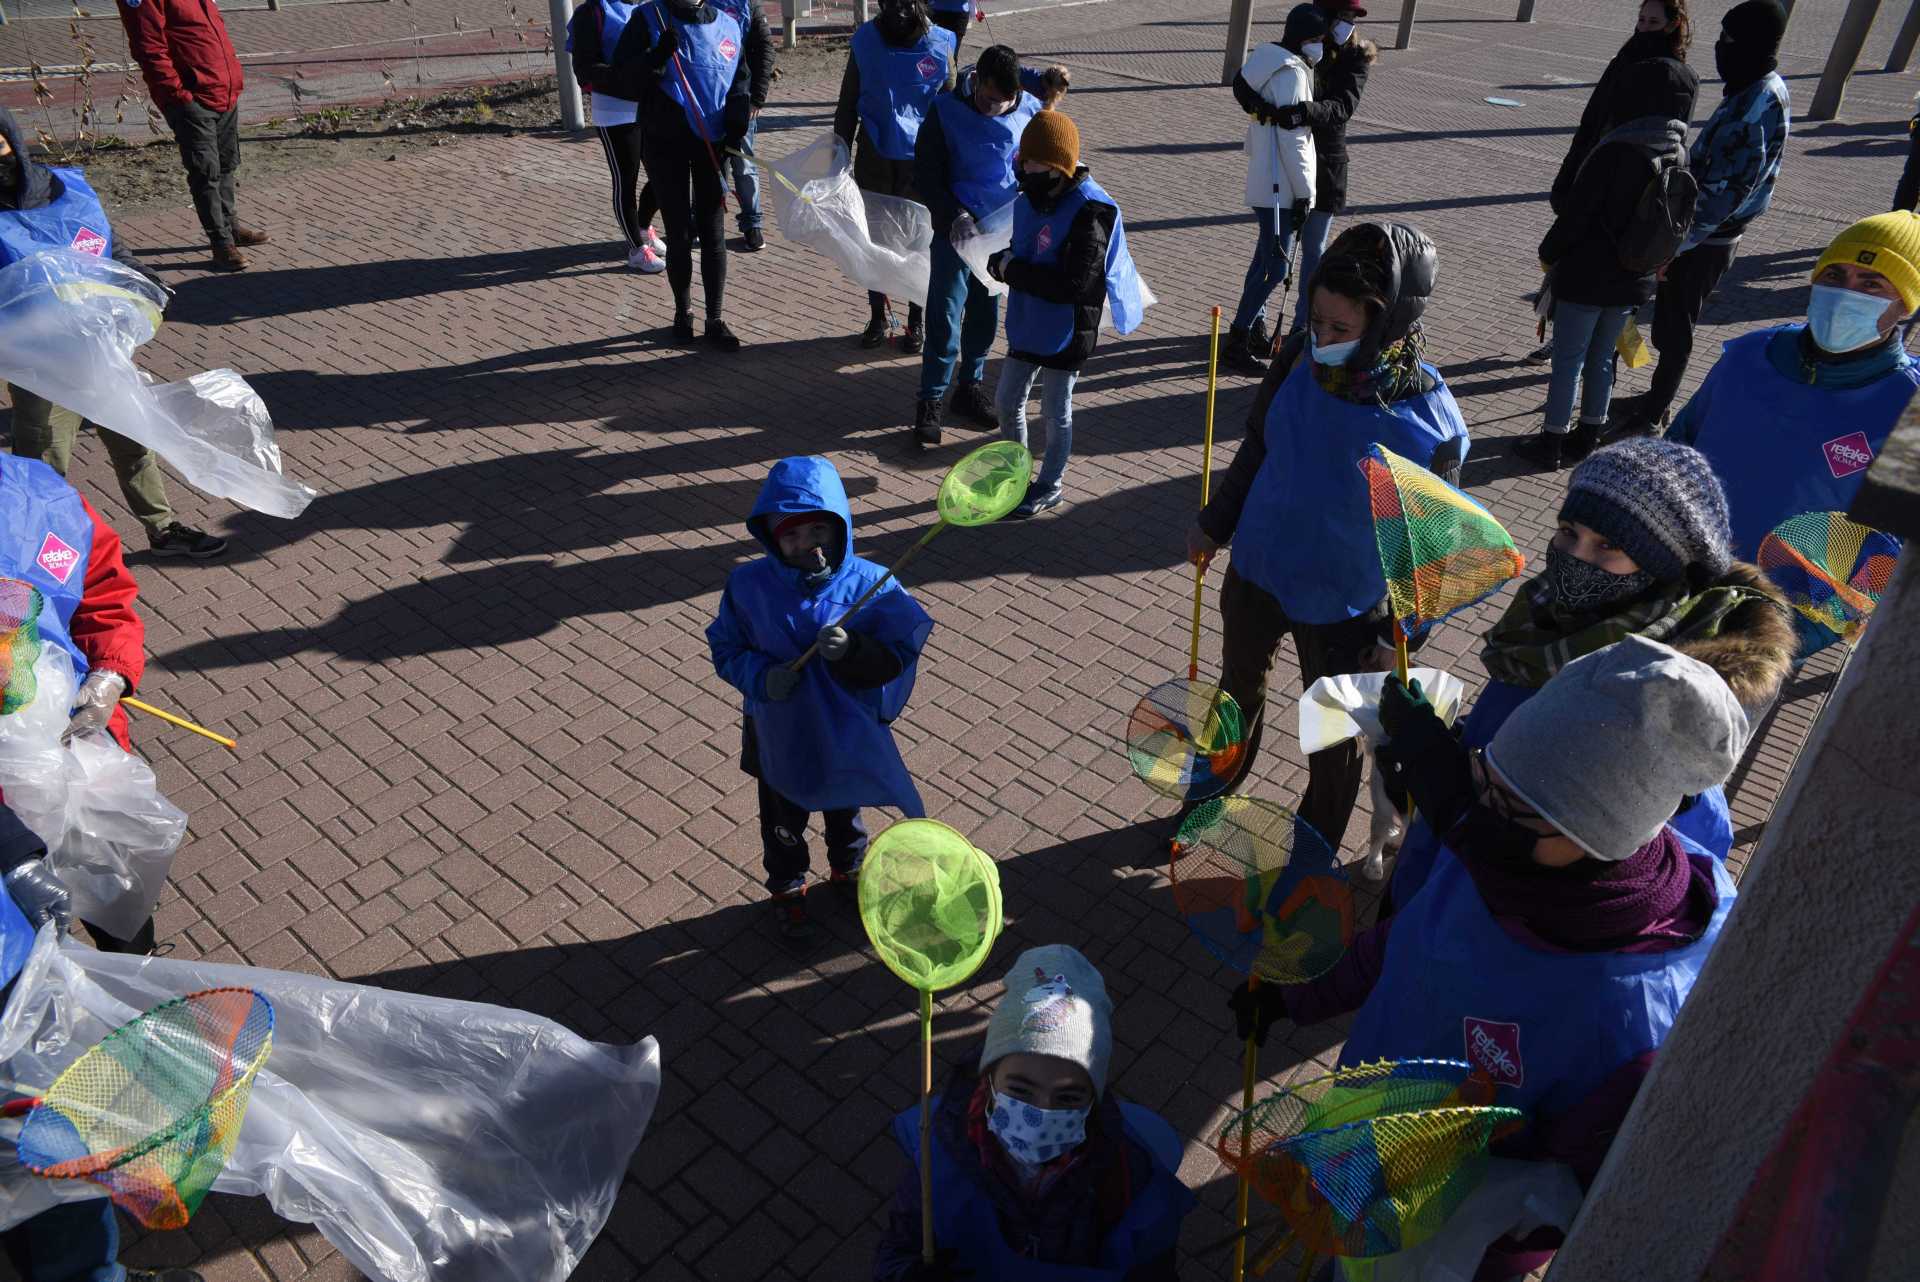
964	229
93	706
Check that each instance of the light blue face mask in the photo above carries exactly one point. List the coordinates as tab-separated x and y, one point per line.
1333	354
1843	320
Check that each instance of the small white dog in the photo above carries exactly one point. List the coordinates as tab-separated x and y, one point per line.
1385	831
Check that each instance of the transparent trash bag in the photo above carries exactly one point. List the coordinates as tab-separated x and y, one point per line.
429	1140
977	240
69	324
882	243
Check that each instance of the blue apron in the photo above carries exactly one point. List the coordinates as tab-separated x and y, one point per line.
1033	323
898	86
1306	531
1707	823
72	220
1549	1027
964	1216
708	55
980	150
1783	447
953	6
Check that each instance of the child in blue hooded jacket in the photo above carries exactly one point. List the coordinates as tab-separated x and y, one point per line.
817	738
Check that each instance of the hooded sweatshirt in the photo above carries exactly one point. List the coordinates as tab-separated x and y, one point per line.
827	746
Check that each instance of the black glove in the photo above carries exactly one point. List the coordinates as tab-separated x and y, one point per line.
781	682
665	45
40	894
997	265
1287	117
1297	216
945	1268
1255	1010
1422	758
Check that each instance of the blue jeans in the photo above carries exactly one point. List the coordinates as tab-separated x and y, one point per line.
1313	243
1583	339
962	318
72	1242
1269	266
1056	408
746	182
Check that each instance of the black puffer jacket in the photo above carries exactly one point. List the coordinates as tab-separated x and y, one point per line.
1079	277
1339	78
1602	111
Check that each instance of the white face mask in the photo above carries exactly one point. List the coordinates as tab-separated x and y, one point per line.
1312	50
1844	320
1332	353
1032	1136
1342	32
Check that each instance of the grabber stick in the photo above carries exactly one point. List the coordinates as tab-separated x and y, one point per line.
879	583
926	1126
1400	669
1206	490
182	722
1249	1071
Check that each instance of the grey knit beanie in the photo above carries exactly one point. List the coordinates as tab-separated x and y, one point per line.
1608	748
1657	501
1056	1004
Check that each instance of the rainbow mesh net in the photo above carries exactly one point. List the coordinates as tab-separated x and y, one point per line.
151	1113
1186	739
1833	570
1439	550
20	605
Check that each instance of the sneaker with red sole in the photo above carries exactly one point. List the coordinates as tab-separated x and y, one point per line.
796	927
845	881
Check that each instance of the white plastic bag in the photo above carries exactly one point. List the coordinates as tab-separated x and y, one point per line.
429	1140
882	243
69	324
978	240
1336	709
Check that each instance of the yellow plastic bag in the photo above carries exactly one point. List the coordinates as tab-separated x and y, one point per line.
1633	349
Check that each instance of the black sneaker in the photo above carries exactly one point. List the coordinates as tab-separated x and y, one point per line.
721	337
970	400
1543	449
1035	504
1239	353
1583	440
914	339
926	423
683	327
1540	355
1259	341
183	540
791	909
878	326
753	241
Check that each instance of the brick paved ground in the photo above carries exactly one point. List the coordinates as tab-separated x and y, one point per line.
483	751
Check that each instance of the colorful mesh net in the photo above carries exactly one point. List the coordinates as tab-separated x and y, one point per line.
986	484
1261	889
1370	1160
1833	570
151	1113
930	902
1186	739
1440	551
20	604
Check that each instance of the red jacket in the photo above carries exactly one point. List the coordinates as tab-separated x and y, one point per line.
184	52
104	627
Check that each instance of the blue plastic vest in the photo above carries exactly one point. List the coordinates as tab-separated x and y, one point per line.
1782	447
964	1217
708	55
953	6
72	220
1707	823
980	150
614	16
898	86
1549	1027
46	538
1306	531
1042	327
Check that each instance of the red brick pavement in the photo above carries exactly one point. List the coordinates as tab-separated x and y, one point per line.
484	753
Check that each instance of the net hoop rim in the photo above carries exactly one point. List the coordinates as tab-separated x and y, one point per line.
994	447
990	877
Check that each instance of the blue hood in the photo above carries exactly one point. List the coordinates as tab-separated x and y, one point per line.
803	484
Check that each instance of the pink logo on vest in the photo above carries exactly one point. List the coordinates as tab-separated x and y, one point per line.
1044	240
89	241
1495	1049
1848	454
57	557
728	48
930	67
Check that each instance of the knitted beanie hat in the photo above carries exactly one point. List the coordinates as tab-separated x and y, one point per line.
1885	243
1760	23
1056	1004
1657	501
1051	139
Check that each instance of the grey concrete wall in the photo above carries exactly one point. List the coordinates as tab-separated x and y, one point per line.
1835	877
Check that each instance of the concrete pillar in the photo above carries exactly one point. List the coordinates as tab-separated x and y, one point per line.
1405	39
789	23
1526	12
1903	43
860	11
572	115
1239	36
1854	25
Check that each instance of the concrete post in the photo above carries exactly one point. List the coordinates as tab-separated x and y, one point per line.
1854	26
1239	35
1405	39
572	116
789	23
1903	43
1526	11
860	13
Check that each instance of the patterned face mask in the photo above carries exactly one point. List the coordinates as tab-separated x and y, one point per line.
1580	586
1033	1136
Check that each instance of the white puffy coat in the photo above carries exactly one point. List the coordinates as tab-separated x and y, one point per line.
1280	162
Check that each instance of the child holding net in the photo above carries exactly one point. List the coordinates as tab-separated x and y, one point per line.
816	736
1036	1164
1554	946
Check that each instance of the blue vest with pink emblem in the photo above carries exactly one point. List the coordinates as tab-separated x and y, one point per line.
71	220
701	71
980	149
897	86
1550	1027
46	539
1037	325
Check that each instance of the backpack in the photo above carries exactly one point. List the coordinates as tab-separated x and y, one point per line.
1662	216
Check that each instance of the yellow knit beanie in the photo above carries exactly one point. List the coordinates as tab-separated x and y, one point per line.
1052	139
1885	243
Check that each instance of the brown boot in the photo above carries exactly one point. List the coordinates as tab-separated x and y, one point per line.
228	259
249	236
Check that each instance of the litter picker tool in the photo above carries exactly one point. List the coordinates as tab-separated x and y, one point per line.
1833	570
182	722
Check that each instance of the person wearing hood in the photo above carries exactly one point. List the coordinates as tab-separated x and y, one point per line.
963	171
1641	549
687	57
1736	161
1556	943
1294	501
593	34
1791	417
1280	172
43	208
817	738
1039	1171
1595	287
1068	256
898	62
1662	29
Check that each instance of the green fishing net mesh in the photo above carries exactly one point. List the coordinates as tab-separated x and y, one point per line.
930	903
986	484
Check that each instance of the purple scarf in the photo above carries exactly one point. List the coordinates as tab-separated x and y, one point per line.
1654	900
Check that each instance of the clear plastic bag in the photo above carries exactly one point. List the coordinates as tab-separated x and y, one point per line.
429	1140
882	243
69	324
977	240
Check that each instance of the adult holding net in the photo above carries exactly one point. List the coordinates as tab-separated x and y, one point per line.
1294	502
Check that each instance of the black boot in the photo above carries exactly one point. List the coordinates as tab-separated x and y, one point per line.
1239	355
916	336
1543	449
878	325
683	327
970	400
1583	440
926	423
720	336
1259	341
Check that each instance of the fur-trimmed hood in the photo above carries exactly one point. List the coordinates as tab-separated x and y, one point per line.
1755	648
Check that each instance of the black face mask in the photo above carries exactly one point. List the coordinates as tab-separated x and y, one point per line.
1740	64
1580	587
902	24
1040	188
1490	835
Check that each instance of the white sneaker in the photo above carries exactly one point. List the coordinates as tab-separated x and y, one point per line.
645	261
655	243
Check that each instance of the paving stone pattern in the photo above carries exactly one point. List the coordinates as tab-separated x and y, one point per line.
483	752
